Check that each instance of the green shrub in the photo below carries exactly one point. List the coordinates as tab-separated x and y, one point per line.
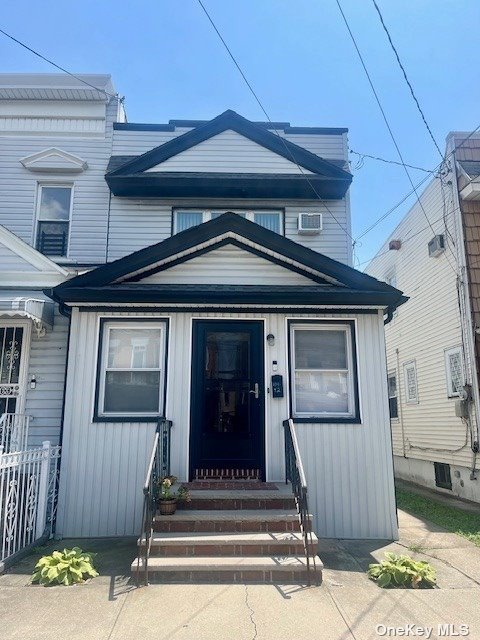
66	567
402	571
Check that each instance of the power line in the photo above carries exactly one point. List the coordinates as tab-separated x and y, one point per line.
410	166
57	66
385	28
372	86
259	102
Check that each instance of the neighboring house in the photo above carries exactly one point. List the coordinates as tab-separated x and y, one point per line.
228	256
432	341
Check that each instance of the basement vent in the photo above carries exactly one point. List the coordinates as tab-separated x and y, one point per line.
443	479
310	223
436	246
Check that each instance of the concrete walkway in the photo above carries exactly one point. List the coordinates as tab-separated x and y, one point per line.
346	606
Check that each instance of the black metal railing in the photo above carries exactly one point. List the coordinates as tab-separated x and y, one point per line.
158	467
295	474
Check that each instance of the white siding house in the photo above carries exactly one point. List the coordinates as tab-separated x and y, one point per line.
202	271
429	343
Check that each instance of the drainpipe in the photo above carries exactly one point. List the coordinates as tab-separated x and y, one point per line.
400	406
466	322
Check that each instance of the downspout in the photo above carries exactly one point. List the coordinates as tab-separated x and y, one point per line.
469	339
400	406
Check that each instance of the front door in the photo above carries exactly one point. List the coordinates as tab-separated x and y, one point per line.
227	408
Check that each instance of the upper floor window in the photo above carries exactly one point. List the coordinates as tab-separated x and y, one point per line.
54	204
186	218
454	369
392	395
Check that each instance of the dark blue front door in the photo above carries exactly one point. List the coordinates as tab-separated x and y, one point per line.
227	407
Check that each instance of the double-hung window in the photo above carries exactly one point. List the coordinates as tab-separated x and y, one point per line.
454	371
323	371
392	395
130	379
54	204
186	218
411	385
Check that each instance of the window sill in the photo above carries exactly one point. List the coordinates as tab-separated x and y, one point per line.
331	420
152	419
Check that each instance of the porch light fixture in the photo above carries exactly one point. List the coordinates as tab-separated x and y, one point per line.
271	340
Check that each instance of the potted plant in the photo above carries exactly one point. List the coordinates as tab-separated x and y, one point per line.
167	498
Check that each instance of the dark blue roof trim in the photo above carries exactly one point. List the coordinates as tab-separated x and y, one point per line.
286	127
223	122
142	126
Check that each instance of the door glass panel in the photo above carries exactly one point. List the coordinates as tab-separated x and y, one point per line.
227	382
10	354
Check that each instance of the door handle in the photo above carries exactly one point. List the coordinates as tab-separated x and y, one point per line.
255	391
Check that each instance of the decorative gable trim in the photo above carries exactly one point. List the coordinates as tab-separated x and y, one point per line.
54	160
232	120
29	254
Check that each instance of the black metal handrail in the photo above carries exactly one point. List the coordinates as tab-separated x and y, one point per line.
158	467
295	474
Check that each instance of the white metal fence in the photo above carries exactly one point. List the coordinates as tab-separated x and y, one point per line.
28	488
13	432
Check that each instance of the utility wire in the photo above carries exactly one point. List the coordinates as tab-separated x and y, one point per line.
410	166
259	102
385	28
57	66
374	91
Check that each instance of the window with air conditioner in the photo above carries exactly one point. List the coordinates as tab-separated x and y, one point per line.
54	207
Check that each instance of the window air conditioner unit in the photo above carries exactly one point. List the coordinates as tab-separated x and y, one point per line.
310	223
436	246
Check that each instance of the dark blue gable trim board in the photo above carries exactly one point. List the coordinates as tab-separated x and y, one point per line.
226	185
191	124
226	121
208	231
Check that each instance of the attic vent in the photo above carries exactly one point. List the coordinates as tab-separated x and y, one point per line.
436	246
310	223
395	245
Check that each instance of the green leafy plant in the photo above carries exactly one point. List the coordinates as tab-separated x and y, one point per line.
165	490
66	567
402	571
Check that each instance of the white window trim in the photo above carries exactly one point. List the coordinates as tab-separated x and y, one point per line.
448	372
116	324
207	214
390	374
410	365
347	329
40	186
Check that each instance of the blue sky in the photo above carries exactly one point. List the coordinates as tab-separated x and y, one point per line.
167	61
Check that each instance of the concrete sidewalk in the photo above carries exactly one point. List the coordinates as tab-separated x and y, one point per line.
346	606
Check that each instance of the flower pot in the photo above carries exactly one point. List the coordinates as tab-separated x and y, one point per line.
167	507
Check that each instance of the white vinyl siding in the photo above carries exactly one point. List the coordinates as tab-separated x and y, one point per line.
454	371
103	466
229	152
424	326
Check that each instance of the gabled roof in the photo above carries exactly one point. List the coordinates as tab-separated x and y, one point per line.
134	176
337	283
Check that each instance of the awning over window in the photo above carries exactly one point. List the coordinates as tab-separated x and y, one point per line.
41	312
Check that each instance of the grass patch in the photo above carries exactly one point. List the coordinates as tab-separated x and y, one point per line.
455	520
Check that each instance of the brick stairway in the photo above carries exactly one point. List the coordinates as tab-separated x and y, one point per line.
231	536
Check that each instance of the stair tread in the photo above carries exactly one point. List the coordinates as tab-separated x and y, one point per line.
237	494
231	514
225	563
241	538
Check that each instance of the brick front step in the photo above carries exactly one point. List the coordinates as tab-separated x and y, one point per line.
199	502
229	544
253	521
276	570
